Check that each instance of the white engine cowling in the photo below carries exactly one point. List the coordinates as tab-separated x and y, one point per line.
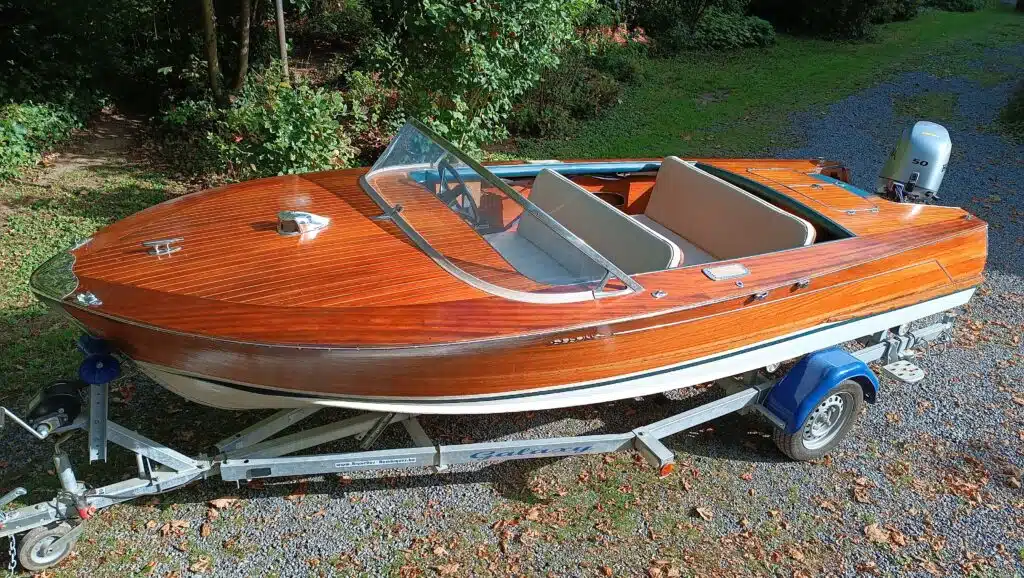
915	169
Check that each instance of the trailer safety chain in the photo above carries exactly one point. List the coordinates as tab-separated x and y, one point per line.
12	550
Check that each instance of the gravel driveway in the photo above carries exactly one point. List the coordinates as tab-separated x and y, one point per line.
924	486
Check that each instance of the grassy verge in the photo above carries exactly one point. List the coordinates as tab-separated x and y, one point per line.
738	103
42	215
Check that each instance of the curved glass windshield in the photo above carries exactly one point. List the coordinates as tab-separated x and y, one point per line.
480	228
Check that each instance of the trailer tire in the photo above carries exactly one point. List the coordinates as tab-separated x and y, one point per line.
827	424
32	554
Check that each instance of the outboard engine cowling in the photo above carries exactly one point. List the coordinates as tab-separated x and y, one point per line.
915	169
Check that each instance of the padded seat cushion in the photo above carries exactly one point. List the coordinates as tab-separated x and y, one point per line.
719	217
692	254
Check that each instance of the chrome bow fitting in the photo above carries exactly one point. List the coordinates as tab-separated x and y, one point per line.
163	246
300	223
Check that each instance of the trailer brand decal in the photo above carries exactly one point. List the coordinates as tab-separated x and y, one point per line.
494	455
371	463
577	338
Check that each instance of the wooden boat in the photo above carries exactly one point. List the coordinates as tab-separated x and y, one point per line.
431	284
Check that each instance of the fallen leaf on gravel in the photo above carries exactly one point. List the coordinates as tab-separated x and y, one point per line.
896	537
876	534
860	494
298	493
221	503
151	524
931	568
534	513
447	569
796	554
606	571
868	567
176	527
440	551
200	566
344	480
212	514
1013	482
747	476
864	482
705	513
827	505
205	529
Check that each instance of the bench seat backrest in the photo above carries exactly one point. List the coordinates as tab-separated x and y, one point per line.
721	218
631	246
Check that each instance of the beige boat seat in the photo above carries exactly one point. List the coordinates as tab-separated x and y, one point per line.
711	219
630	245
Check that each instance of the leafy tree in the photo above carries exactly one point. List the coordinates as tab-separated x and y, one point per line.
460	64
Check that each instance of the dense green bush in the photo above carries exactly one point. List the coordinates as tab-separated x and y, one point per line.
719	30
374	114
342	24
895	11
588	80
957	5
678	25
831	19
461	64
271	128
27	130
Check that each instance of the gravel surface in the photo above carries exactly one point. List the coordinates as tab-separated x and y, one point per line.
922	487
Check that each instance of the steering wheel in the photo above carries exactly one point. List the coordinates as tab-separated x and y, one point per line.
457	198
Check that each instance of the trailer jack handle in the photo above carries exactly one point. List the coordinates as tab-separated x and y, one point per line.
41	433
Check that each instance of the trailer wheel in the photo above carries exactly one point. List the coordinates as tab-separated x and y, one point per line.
34	551
826	425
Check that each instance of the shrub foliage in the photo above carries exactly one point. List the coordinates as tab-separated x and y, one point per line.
833	19
272	128
27	130
957	5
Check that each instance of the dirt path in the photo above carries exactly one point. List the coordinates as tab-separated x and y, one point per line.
111	138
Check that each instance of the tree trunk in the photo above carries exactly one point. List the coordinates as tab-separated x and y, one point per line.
1020	5
281	40
244	20
210	40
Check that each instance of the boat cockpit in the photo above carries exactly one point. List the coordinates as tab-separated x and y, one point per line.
531	233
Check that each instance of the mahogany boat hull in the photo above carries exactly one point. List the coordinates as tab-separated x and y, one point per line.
240	344
241	395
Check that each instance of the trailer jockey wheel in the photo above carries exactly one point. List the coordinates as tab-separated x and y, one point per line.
35	553
826	425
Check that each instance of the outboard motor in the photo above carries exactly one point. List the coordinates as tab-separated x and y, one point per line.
915	169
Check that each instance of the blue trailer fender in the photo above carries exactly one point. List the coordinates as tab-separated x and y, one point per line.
805	386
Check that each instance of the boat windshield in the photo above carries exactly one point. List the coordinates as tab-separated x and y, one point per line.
481	228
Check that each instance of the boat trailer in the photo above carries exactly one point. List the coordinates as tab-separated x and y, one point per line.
811	407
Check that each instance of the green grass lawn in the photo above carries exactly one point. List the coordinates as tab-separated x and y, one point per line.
739	103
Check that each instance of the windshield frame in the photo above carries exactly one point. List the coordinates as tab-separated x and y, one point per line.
394	214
